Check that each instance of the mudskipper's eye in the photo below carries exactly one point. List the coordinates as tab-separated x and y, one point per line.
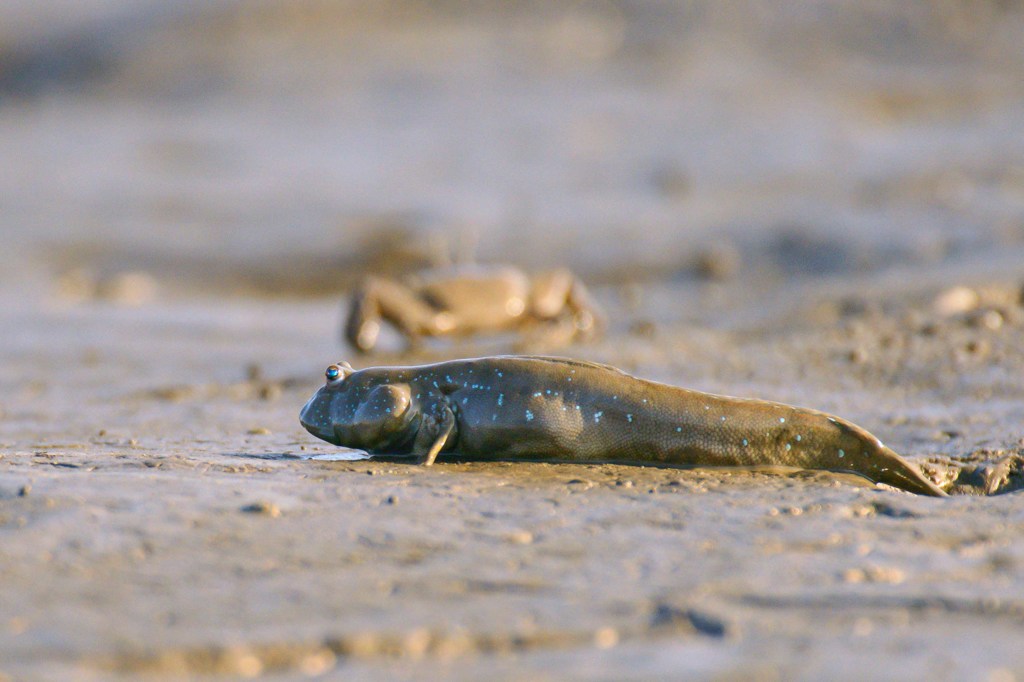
333	372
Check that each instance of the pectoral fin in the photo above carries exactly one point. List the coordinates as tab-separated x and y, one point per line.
433	435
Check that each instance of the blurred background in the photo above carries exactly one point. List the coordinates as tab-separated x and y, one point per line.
819	202
283	147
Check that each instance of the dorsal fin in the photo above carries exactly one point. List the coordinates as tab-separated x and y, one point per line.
572	362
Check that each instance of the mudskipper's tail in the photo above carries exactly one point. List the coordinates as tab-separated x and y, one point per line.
895	471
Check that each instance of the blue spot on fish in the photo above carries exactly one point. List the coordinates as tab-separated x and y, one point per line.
597	417
629	418
501	398
529	416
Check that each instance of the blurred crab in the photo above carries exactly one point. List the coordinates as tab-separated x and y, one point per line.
551	307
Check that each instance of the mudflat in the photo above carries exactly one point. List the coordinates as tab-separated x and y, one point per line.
833	220
165	514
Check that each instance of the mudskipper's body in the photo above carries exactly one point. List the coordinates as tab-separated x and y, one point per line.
566	410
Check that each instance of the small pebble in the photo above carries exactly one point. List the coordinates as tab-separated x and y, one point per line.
24	490
852	306
318	662
719	262
266	508
873	574
858	356
978	347
645	329
128	288
955	301
76	285
271	391
990	319
243	663
605	638
259	431
416	643
520	537
253	372
174	394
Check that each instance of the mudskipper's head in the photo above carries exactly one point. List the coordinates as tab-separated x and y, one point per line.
321	412
364	410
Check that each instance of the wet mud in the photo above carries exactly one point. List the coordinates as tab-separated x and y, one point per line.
821	208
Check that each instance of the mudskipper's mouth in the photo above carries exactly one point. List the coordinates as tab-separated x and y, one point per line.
315	417
321	433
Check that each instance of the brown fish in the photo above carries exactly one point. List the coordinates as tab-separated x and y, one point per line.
554	409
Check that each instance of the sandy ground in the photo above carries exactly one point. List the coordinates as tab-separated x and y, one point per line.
161	515
836	223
